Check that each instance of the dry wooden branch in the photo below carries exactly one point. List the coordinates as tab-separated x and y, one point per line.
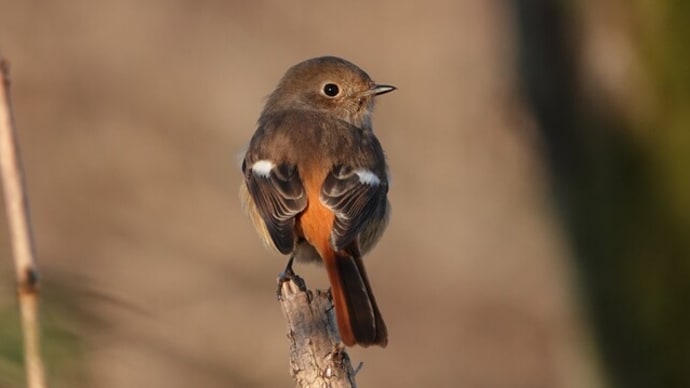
17	209
317	357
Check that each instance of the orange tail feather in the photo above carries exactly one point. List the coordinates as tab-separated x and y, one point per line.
359	319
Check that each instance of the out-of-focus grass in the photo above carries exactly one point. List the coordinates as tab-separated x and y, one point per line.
62	345
10	347
620	177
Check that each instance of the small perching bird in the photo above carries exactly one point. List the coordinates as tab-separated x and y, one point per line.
316	183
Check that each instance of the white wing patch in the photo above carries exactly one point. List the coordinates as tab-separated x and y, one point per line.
367	177
263	168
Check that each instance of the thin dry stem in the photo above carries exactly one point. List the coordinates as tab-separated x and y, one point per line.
17	209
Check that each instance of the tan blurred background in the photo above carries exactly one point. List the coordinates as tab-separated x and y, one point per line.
132	116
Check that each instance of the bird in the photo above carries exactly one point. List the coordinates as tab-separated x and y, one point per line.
316	183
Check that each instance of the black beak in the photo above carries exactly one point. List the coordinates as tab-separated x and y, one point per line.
378	90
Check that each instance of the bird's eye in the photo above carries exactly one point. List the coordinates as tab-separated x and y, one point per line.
331	90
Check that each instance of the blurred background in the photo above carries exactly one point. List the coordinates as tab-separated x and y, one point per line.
539	153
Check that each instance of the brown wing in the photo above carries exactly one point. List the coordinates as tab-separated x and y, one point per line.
355	196
279	197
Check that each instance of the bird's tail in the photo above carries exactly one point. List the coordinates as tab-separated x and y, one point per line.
359	319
